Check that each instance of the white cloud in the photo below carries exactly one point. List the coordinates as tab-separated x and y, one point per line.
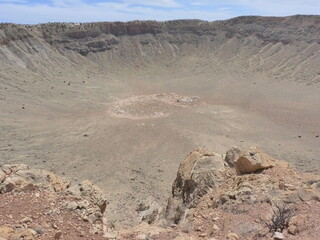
159	3
13	1
279	7
19	11
66	3
70	11
101	12
265	7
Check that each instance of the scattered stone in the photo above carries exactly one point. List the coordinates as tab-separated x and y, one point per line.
93	218
150	216
142	207
29	187
297	224
215	219
58	235
53	212
81	234
232	236
179	238
278	236
5	188
215	228
39	230
186	100
34	233
71	205
111	235
203	235
142	237
54	226
26	220
96	229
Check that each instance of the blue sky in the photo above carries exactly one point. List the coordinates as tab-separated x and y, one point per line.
37	11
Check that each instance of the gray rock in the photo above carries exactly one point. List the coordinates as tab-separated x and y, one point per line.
8	187
71	205
232	156
26	220
38	230
111	235
88	191
150	216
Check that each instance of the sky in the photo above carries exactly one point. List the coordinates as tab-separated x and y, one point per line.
43	11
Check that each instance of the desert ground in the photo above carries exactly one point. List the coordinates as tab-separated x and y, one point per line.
122	104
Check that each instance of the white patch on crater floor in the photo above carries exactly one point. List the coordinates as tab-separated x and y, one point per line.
150	106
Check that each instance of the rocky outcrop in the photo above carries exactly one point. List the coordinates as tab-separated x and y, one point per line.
20	176
84	199
200	172
239	27
258	198
149	210
90	203
197	174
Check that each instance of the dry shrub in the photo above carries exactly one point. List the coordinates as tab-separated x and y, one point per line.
280	219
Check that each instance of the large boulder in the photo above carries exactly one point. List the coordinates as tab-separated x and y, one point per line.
20	176
253	160
197	174
200	172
